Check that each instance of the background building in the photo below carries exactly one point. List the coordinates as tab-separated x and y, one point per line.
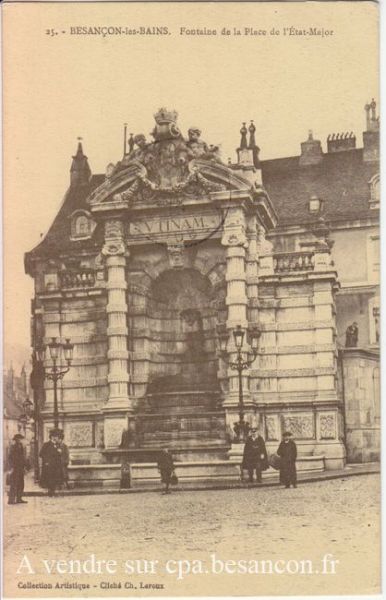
17	407
339	189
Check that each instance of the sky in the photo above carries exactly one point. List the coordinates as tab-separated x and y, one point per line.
59	87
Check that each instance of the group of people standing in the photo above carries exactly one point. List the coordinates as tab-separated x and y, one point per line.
255	458
55	460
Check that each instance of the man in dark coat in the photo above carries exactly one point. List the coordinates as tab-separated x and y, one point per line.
17	465
255	456
288	453
166	468
52	467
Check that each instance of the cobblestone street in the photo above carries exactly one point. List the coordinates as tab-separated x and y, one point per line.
339	517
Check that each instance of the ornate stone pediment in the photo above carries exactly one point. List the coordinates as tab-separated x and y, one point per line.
168	169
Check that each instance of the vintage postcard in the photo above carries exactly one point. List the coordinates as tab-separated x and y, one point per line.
191	293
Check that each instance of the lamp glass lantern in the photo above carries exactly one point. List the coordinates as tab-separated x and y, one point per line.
254	336
41	352
238	335
222	337
68	350
54	348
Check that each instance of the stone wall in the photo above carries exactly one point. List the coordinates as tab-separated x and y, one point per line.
359	378
355	254
82	393
293	383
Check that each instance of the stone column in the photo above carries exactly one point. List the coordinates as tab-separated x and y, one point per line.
252	266
235	241
118	404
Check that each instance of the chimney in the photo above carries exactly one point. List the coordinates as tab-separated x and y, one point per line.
371	135
340	142
80	170
311	151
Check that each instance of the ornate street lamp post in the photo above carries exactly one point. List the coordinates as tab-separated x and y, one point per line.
37	379
58	351
239	365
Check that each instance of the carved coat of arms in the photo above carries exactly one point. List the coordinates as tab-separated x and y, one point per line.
169	167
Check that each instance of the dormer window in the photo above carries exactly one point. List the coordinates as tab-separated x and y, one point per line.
82	225
315	205
374	191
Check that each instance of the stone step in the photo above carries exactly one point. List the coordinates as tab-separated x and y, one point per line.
109	475
179	436
179	410
180	399
182	451
195	413
177	426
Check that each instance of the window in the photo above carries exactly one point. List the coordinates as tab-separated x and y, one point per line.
315	204
374	320
374	191
82	225
373	258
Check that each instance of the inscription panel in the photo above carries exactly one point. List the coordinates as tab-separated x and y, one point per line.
190	226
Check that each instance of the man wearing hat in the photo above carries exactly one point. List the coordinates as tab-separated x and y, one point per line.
255	456
18	465
288	453
52	467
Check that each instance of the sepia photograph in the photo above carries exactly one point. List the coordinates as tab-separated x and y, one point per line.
191	354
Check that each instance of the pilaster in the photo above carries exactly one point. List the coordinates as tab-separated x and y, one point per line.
118	403
235	240
252	267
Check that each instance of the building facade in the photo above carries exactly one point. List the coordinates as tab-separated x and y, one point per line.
17	409
144	267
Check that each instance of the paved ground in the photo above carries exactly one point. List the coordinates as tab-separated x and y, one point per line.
338	517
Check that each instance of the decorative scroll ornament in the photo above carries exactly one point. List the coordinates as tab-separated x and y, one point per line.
114	248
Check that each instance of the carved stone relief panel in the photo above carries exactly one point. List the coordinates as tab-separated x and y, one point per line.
327	426
79	435
113	431
300	425
272	427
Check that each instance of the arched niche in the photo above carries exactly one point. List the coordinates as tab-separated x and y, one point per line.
182	323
